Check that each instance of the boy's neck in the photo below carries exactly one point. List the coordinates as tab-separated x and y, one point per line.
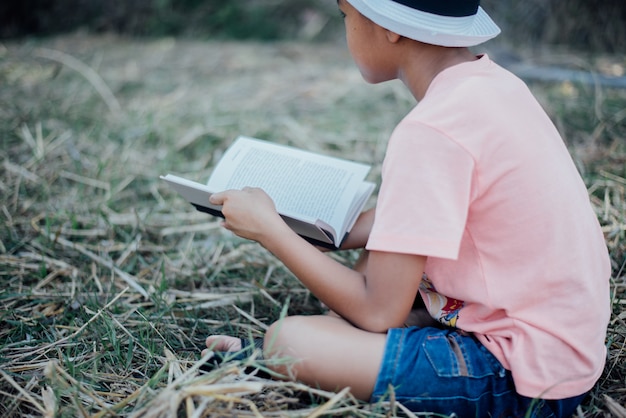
422	62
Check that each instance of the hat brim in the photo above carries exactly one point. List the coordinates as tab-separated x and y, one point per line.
427	27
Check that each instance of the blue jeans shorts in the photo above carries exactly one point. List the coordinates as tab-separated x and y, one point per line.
446	371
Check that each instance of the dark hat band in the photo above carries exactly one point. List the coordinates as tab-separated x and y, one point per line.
451	8
449	23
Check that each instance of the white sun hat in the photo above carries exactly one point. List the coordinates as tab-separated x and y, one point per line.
454	23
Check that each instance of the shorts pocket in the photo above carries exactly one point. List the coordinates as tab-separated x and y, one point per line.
455	355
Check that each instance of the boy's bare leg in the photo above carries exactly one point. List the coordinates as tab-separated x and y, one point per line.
326	352
322	351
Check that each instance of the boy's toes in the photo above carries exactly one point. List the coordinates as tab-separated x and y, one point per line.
224	343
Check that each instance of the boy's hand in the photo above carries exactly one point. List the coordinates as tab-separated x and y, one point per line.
249	213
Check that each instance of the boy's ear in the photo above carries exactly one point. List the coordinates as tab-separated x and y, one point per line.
392	36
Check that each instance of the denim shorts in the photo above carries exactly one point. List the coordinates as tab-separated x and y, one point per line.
446	371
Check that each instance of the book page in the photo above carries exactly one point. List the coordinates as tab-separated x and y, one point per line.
300	183
297	186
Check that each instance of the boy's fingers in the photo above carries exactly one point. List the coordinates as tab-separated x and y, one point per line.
217	198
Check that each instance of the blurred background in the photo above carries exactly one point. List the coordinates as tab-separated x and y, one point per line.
580	24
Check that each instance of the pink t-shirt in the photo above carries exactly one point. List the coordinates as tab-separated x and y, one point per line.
477	178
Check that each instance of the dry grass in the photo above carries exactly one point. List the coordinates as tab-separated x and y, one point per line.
110	283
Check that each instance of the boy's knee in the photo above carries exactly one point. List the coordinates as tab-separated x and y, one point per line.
279	335
280	345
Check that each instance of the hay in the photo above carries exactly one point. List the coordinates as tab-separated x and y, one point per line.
110	283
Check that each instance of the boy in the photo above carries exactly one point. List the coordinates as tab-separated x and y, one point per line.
481	213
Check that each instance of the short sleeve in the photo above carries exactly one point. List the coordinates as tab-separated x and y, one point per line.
425	194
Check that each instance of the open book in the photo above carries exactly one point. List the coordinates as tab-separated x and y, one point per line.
319	197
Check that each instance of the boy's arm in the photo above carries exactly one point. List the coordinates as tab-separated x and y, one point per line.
376	301
358	236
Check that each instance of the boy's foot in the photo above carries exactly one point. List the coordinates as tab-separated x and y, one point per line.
223	343
227	348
